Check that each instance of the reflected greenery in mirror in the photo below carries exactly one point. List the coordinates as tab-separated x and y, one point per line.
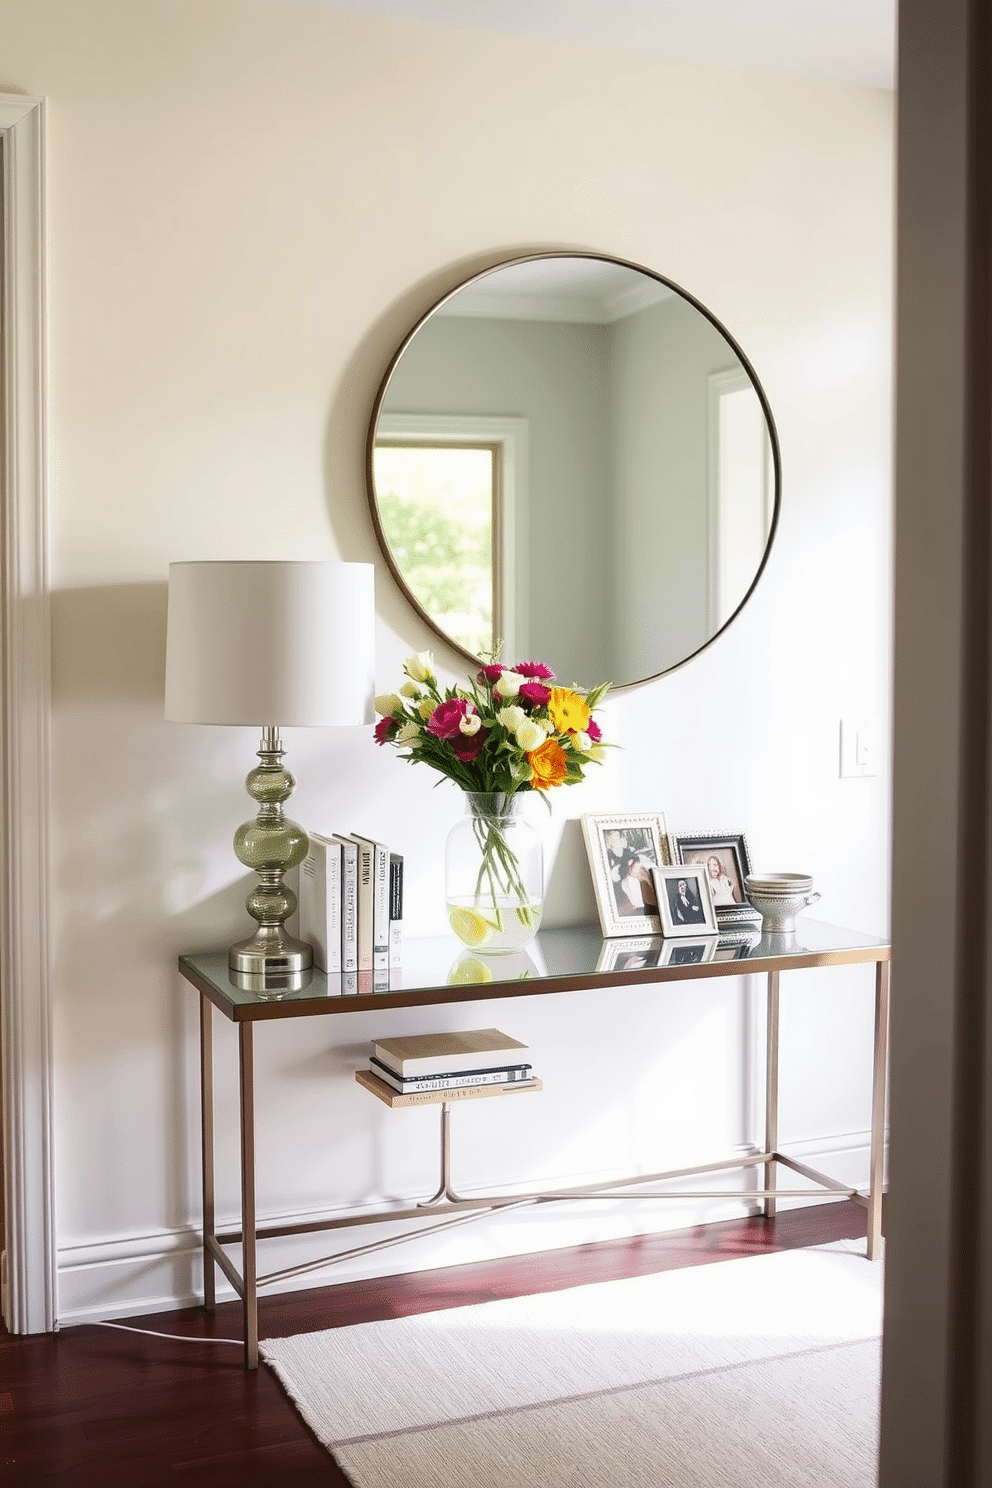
569	454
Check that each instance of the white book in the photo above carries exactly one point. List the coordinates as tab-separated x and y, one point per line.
511	1076
349	902
373	900
320	902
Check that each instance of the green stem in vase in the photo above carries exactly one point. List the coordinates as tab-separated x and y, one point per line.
493	846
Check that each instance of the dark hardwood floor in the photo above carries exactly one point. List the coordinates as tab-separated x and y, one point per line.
95	1406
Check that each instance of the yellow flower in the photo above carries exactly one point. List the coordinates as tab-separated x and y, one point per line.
549	765
569	711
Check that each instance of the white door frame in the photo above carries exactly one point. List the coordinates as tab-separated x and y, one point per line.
29	1281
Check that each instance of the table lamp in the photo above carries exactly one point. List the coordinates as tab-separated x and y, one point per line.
271	645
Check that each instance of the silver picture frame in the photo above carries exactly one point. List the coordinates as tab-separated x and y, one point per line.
623	847
730	850
685	906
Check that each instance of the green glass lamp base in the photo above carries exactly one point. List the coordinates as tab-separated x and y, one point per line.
270	960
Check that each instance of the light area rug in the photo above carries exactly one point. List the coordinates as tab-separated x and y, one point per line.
763	1370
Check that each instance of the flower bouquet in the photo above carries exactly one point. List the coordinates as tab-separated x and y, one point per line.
508	730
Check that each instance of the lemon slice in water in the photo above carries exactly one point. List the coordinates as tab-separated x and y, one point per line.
470	926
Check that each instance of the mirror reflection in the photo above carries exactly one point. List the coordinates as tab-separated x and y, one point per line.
570	456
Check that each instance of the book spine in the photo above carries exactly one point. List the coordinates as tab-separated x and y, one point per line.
395	909
380	910
366	904
429	1097
332	906
450	1082
320	903
349	906
441	1066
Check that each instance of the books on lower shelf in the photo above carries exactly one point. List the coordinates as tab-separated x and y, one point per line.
415	1068
426	1054
391	1097
509	1075
351	903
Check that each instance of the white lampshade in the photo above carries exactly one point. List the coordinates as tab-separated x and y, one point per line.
270	644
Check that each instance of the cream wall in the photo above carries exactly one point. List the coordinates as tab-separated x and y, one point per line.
249	205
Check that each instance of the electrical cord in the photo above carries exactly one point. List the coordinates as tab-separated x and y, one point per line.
173	1337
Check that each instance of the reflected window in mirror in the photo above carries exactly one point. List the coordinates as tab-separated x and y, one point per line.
452	505
440	503
638	467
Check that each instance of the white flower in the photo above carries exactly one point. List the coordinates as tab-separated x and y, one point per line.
470	724
426	708
530	735
511	718
583	743
419	667
410	690
547	725
388	704
509	684
597	753
408	733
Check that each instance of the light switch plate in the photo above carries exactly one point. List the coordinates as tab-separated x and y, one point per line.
858	746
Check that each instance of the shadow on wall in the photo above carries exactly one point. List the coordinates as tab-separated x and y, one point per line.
569	897
346	432
145	810
109	643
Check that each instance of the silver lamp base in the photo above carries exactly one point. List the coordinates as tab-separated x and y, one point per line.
266	951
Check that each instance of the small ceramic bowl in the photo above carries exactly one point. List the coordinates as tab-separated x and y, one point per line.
779	897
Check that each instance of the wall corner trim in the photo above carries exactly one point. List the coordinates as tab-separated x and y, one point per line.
25	718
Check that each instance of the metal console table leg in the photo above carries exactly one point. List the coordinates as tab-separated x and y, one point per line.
771	1094
879	1086
207	1145
248	1238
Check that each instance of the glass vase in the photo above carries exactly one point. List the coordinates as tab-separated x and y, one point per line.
494	875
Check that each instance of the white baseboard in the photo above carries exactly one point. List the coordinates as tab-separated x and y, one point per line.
160	1272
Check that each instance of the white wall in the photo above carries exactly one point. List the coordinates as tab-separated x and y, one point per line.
249	204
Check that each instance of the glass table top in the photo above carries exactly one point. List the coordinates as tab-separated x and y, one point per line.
440	969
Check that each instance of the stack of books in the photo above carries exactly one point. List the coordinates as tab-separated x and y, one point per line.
351	903
422	1067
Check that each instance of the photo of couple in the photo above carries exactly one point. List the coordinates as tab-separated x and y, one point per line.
630	856
624	851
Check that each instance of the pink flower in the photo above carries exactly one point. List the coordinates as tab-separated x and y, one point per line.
469	746
385	729
444	721
492	672
534	693
534	669
594	731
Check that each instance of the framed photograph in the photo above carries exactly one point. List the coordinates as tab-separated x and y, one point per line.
623	849
684	903
631	952
727	862
688	952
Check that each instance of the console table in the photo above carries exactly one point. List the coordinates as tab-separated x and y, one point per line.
574	959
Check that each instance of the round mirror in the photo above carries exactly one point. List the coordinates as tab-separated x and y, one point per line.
569	459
